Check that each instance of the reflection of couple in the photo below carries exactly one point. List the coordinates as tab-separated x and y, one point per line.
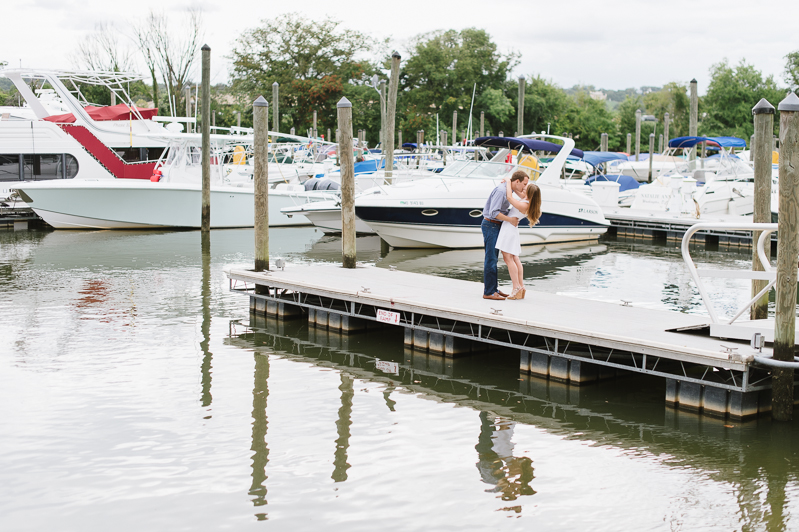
507	204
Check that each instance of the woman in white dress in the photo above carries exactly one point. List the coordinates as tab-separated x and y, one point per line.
509	242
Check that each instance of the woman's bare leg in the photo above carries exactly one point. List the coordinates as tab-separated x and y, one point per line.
519	271
512	269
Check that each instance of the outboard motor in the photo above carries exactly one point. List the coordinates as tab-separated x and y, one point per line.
321	184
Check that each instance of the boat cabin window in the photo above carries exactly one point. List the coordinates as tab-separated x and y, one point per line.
37	167
136	155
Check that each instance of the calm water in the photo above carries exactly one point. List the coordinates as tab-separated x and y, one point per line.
137	395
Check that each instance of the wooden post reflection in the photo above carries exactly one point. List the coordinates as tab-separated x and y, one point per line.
343	428
205	328
260	456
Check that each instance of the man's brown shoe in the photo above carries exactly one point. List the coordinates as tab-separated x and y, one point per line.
495	295
503	294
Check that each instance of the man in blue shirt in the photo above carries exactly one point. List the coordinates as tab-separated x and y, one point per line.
494	213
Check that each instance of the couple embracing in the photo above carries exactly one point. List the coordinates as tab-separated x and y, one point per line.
507	204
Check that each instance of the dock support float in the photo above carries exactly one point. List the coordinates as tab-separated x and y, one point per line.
716	402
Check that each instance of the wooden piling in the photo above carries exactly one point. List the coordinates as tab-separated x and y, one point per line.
637	134
660	143
328	137
444	151
275	107
260	115
454	127
693	119
666	122
205	222
482	123
752	147
651	153
764	125
629	143
383	105
603	142
291	131
346	163
520	110
787	255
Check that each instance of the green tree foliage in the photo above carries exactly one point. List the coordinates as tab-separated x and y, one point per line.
544	104
312	61
586	119
733	91
792	70
439	76
672	99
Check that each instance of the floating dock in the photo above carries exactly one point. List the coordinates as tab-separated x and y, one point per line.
631	223
558	337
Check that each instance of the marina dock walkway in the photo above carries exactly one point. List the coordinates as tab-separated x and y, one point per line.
559	337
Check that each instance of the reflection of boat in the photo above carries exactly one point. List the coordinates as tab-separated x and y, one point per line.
328	248
436	261
445	210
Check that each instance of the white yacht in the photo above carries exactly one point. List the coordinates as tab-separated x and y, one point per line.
115	167
446	210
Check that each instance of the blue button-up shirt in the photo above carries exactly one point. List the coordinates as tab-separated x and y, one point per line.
496	203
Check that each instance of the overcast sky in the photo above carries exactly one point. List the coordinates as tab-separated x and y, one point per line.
613	44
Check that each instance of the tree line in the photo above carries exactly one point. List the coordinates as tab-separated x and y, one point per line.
316	63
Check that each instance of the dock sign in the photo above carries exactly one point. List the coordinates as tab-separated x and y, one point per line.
387	367
386	316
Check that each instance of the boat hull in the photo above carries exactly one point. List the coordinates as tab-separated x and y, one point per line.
143	205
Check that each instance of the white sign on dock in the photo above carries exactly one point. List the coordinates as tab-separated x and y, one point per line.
386	316
387	367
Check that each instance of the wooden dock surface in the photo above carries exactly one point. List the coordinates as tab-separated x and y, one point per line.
571	319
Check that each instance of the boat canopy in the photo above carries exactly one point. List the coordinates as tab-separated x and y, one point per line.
690	142
626	182
595	158
523	144
111	112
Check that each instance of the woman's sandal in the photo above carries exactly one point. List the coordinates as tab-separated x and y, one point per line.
516	294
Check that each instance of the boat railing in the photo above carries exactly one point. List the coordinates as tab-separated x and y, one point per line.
768	273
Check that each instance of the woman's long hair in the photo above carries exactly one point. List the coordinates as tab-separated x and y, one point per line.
533	194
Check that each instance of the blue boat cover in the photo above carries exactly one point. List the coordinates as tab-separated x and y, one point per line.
690	142
627	182
641	157
524	144
595	158
411	145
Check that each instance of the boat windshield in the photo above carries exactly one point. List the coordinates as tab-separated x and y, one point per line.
482	169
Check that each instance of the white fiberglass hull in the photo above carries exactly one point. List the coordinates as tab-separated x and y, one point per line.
449	215
141	204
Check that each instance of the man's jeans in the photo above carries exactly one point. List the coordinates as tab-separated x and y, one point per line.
490	235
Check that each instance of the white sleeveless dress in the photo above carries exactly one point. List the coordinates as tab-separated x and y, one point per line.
508	239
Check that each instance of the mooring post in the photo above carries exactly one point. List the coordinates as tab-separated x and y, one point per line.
454	127
275	107
421	144
205	222
501	134
444	150
704	153
752	145
346	163
291	131
520	111
399	139
759	147
260	118
213	120
328	137
603	142
629	143
651	153
666	122
313	133
637	134
787	255
693	119
482	123
660	143
383	117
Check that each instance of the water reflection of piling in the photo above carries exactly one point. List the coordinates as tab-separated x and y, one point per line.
205	328
260	456
343	429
